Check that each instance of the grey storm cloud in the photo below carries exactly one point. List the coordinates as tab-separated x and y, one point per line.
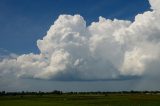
107	49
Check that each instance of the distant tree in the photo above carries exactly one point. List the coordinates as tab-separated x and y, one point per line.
2	93
57	92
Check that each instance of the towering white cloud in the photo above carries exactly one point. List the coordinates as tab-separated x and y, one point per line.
107	49
155	4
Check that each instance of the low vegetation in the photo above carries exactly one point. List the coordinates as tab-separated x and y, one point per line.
58	98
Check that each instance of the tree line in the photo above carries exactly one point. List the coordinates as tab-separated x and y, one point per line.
58	92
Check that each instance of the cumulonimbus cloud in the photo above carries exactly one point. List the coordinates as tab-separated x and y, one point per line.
107	49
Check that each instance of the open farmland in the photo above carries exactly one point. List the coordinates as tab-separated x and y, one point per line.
82	100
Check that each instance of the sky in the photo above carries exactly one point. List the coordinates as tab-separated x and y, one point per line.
23	22
79	45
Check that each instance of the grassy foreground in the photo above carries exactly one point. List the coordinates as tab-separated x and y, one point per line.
82	100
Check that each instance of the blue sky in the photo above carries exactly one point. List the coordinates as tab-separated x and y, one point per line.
22	22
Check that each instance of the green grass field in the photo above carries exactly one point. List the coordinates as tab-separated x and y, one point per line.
82	100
